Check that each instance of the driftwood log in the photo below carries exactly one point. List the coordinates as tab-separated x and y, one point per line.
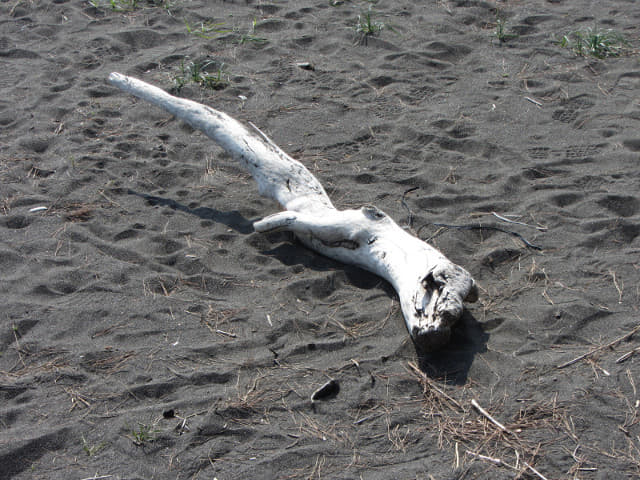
431	288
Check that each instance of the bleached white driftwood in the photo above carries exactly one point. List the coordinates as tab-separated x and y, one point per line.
431	288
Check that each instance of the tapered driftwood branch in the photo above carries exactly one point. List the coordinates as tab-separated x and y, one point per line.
431	289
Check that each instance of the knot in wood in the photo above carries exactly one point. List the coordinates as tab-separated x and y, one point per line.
373	213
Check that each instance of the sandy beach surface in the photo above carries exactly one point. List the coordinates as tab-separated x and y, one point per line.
146	330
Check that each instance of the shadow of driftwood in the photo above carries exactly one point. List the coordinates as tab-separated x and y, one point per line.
453	362
291	252
233	219
287	249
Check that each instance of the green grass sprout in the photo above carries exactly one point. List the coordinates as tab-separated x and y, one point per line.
367	26
92	450
130	5
143	435
250	36
596	43
501	30
207	30
197	72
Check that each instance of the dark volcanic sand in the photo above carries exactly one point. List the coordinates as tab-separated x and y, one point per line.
148	333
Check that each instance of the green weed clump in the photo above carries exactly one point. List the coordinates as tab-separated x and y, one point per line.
207	30
143	434
212	30
594	42
501	30
250	36
130	5
90	449
197	72
366	25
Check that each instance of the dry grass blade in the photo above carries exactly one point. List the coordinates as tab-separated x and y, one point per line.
628	355
535	471
78	400
601	347
488	417
427	385
107	361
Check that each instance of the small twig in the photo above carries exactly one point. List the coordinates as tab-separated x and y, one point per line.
13	9
497	461
628	355
602	347
368	417
405	205
96	477
265	137
488	416
182	426
631	382
112	202
617	285
504	219
535	102
490	227
227	334
534	471
428	382
493	460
